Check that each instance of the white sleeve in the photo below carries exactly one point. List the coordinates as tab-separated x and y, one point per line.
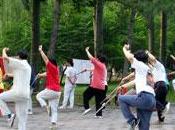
14	63
135	63
158	65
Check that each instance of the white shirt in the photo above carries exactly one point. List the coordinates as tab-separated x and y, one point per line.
141	70
71	73
159	72
21	71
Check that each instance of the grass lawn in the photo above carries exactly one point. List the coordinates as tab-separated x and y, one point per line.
81	88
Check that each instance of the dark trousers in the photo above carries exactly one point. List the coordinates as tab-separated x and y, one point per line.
161	93
99	96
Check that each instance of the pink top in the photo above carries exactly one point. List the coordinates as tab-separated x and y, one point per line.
99	74
52	77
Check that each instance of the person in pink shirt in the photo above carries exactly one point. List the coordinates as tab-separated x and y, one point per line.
98	82
52	92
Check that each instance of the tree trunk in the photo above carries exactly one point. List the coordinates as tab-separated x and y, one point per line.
150	24
163	37
54	35
35	34
98	26
130	37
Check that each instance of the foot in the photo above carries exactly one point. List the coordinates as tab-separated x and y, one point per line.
165	111
29	112
62	107
86	111
134	124
99	117
11	119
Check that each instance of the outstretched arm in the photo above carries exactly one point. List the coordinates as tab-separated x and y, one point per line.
43	55
172	57
151	57
88	53
127	53
4	54
128	77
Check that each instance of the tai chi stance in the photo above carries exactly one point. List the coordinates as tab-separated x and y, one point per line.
20	90
52	92
144	101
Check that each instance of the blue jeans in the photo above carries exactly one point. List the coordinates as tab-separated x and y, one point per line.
144	103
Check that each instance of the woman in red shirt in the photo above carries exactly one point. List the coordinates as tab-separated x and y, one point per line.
52	92
98	83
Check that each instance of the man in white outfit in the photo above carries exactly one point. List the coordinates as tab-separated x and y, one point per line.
20	90
70	84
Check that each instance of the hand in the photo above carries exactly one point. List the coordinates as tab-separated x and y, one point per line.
126	46
40	48
6	49
87	49
171	56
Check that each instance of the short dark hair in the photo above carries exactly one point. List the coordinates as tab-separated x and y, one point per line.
102	58
70	61
53	61
22	54
140	55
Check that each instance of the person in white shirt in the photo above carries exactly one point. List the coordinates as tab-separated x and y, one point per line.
70	84
144	101
20	90
160	86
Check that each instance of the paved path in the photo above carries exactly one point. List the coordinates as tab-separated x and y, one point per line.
71	120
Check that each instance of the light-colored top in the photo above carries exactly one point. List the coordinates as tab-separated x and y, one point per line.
141	71
159	72
99	75
21	71
71	74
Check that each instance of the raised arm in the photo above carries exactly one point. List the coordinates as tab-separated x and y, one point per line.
127	53
88	53
128	77
151	57
4	54
43	55
172	57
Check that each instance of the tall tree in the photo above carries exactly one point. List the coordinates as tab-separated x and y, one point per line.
163	36
35	34
54	35
130	36
150	26
98	26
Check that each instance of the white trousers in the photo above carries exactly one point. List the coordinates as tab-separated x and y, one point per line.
20	107
68	96
53	100
30	100
173	82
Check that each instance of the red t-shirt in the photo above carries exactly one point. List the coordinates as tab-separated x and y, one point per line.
99	74
52	77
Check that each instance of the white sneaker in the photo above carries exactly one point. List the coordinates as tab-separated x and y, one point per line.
62	107
11	119
30	112
86	111
99	117
165	111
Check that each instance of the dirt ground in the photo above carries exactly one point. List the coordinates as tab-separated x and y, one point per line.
72	120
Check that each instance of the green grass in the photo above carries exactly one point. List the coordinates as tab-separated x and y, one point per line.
81	88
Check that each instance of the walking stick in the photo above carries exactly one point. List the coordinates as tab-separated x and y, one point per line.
109	97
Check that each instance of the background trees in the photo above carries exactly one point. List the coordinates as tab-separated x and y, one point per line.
66	27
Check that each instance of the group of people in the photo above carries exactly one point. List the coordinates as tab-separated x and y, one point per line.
148	94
